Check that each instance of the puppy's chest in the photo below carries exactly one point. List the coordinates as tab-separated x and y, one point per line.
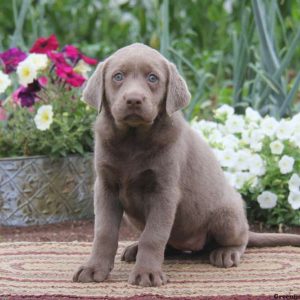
134	183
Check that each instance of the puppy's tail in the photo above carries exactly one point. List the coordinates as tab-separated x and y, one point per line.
272	239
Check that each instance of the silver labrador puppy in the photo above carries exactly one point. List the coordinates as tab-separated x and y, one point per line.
151	165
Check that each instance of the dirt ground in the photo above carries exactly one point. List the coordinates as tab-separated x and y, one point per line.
83	231
61	232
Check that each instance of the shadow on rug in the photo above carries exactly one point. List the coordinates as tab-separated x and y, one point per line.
44	271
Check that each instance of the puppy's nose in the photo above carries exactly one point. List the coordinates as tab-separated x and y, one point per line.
134	100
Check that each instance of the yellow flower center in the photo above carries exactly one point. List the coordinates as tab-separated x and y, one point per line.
26	72
45	117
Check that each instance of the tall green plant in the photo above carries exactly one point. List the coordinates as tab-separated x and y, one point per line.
19	19
260	69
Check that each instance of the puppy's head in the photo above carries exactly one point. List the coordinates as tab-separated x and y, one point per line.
137	83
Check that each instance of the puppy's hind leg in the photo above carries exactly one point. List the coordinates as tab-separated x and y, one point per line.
230	230
130	252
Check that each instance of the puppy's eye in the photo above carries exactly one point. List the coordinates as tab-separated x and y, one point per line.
152	78
118	76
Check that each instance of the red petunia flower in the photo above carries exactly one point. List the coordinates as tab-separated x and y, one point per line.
11	58
57	58
45	44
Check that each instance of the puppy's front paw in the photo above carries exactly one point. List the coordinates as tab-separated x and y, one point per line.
146	277
90	273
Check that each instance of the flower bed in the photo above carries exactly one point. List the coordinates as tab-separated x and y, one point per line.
261	159
40	108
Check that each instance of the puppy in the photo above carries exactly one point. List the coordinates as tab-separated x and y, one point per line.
153	167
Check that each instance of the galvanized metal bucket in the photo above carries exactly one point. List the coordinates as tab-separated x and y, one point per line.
39	190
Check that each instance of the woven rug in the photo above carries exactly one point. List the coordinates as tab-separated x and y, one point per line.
44	271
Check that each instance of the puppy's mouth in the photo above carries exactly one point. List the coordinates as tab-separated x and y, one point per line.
133	118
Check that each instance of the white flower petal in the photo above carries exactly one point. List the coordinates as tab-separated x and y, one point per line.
286	164
44	117
5	82
267	200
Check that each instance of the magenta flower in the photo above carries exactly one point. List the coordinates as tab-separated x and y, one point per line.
45	44
57	58
67	73
75	55
43	81
11	58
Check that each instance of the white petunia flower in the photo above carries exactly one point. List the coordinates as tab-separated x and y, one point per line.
82	68
284	130
295	123
294	200
44	117
215	137
243	160
252	115
294	183
5	82
269	126
241	179
246	137
257	165
295	139
256	146
276	147
228	158
267	200
230	142
256	138
27	72
254	183
205	126
224	111
286	164
235	124
39	60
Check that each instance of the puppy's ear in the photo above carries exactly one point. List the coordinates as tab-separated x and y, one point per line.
93	93
178	95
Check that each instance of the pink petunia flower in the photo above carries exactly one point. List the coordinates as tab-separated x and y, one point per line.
3	114
15	95
57	58
45	44
43	81
75	55
11	58
67	73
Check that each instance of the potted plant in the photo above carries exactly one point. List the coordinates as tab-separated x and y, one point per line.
46	171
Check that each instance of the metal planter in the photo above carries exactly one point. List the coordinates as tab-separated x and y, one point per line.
39	190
